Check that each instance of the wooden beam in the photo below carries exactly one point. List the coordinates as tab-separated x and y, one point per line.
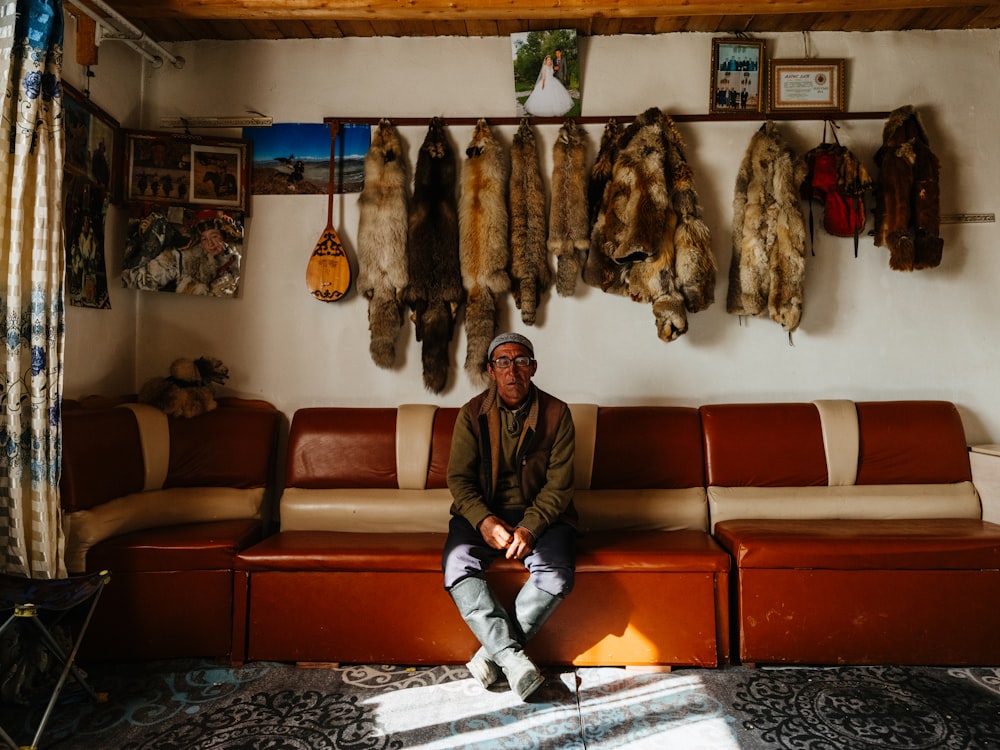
500	10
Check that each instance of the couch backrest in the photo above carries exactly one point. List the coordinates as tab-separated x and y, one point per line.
837	459
382	469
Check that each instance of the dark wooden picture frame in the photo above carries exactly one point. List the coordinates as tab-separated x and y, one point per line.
93	142
738	74
808	84
187	169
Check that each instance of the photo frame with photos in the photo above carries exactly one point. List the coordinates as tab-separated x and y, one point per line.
738	75
808	84
93	142
186	169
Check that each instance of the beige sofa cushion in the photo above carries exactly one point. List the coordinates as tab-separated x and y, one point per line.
871	501
642	510
148	510
365	510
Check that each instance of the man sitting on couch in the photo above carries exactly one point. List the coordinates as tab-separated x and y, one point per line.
511	478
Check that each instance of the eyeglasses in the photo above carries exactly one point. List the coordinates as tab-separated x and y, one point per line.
504	363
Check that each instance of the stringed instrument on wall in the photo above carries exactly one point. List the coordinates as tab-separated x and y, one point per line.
328	273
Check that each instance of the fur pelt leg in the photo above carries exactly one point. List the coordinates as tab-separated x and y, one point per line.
483	245
382	238
434	292
531	274
569	223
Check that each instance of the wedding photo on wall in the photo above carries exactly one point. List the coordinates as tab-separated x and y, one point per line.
546	73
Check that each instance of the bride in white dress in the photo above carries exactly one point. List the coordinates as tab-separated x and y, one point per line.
549	98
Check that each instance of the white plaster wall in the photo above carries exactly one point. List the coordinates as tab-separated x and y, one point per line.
100	344
867	332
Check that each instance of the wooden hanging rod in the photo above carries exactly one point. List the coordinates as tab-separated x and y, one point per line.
597	120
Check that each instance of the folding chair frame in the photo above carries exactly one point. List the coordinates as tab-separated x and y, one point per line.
31	611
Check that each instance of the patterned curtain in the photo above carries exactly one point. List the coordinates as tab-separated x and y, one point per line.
31	279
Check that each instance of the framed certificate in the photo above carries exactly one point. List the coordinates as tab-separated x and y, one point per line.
809	84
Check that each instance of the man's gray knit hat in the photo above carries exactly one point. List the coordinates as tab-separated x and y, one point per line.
510	338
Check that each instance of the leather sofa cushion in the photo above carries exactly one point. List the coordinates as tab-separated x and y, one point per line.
899	544
194	546
650	551
101	457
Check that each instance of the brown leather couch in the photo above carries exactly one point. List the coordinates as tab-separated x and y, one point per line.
164	504
855	531
354	575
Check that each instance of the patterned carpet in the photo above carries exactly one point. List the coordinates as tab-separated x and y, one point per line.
189	705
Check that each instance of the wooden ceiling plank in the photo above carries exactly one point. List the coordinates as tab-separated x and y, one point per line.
442	10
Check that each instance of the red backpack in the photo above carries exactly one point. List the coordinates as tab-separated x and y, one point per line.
839	181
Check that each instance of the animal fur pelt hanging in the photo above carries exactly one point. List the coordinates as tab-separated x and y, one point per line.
907	194
569	222
600	172
188	390
435	291
530	272
382	232
769	237
483	225
649	241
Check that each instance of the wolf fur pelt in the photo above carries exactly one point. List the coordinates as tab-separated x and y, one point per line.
530	272
769	237
483	224
651	230
907	194
569	220
434	292
382	233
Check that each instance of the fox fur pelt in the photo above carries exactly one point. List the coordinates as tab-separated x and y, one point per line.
382	231
434	292
483	245
569	222
530	272
769	238
651	230
907	194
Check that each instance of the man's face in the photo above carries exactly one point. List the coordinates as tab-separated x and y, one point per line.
514	382
211	241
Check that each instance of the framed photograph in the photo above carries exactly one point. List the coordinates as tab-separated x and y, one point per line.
169	168
810	84
737	76
93	142
547	73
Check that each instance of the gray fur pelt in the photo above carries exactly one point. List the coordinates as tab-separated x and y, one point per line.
530	272
769	238
569	222
483	245
382	233
434	292
656	247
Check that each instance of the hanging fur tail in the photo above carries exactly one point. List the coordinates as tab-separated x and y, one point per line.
480	328
437	328
385	318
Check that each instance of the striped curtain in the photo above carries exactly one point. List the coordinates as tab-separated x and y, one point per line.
31	277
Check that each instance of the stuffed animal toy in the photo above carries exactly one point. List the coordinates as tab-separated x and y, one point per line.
187	392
